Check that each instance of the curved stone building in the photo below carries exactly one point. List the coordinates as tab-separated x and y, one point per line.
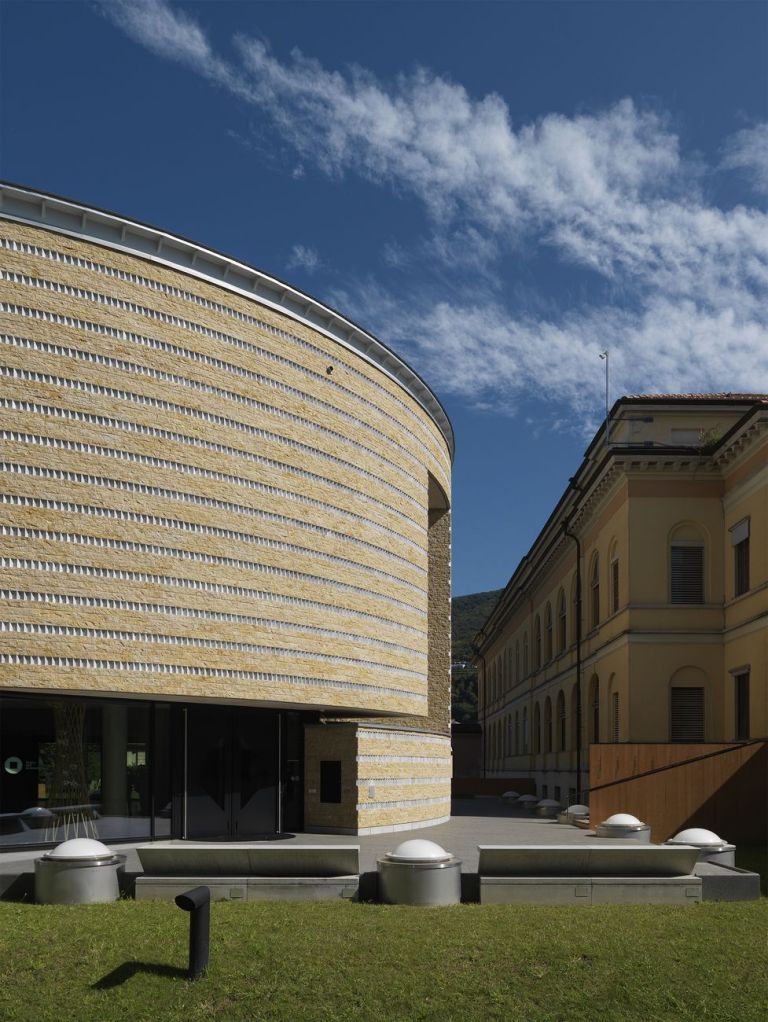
224	576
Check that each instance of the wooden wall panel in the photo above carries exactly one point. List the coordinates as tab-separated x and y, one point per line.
722	787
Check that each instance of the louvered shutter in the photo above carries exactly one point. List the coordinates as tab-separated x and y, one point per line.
687	714
687	574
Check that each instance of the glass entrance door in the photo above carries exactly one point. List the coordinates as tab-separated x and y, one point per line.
232	773
255	756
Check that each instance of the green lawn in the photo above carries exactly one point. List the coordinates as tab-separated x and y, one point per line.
364	962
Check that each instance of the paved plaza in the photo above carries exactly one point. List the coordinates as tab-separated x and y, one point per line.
474	821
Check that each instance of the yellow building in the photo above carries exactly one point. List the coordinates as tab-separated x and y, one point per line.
640	614
225	566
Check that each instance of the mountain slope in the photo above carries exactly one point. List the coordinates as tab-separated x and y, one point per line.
469	614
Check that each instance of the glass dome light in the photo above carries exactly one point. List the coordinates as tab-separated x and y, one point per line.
696	836
84	848
622	820
419	850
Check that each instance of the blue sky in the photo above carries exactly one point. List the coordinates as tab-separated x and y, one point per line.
497	190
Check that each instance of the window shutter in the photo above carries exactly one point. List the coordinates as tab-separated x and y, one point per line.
687	715
739	532
741	567
687	574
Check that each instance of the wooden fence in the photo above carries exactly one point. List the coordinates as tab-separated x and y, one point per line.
722	787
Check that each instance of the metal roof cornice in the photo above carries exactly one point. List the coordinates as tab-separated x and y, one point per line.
41	209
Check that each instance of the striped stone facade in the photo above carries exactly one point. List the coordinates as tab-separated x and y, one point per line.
206	497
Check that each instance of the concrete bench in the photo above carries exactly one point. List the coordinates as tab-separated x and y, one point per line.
249	872
587	874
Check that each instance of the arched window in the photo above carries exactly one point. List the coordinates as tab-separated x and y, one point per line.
615	718
536	643
594	710
575	604
548	633
594	594
536	729
517	661
517	732
548	725
525	729
525	655
562	622
561	726
577	722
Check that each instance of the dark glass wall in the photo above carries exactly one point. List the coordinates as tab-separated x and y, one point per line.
114	769
83	768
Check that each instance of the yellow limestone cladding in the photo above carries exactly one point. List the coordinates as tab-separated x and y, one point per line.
393	523
355	473
368	591
386	760
368	382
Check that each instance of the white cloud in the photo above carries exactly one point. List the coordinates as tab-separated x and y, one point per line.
303	257
478	352
609	192
166	32
747	150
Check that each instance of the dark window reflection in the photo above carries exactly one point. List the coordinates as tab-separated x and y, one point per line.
78	768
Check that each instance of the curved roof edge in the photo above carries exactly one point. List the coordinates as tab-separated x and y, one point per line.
42	209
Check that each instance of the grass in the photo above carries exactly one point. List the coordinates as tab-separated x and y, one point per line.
340	961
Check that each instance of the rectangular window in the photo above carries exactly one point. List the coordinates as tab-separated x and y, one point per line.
687	574
742	705
741	567
740	543
687	717
330	780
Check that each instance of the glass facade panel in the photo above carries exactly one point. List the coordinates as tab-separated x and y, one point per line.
80	768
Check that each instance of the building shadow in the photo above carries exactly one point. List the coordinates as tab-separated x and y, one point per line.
128	970
18	887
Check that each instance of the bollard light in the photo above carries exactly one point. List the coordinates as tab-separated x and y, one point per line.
198	903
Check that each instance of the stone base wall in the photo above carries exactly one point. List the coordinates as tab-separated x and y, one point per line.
392	779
